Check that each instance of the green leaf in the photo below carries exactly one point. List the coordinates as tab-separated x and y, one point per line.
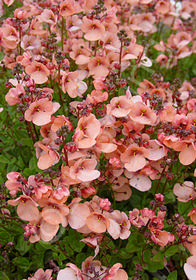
136	241
27	141
22	245
74	241
3	276
173	275
158	257
80	258
170	197
4	159
21	263
4	236
184	208
171	251
122	253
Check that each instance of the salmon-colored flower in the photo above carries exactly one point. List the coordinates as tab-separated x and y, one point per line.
84	170
72	84
141	113
77	215
66	8
46	156
27	208
97	222
190	268
40	111
119	106
41	274
14	94
10	37
38	72
134	158
8	2
119	225
13	184
163	7
192	215
98	66
93	29
162	237
87	130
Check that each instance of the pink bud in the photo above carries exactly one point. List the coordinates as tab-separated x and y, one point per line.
104	204
115	162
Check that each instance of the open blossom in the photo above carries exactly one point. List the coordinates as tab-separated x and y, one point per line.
14	94
38	72
84	170
185	191
93	29
134	158
119	106
190	268
119	225
86	132
72	84
41	274
27	208
92	269
46	156
161	237
141	113
14	183
40	111
10	37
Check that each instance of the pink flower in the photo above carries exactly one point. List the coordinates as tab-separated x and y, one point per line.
78	215
97	222
40	111
142	114
38	72
104	204
40	274
46	156
14	182
86	132
14	94
134	158
119	107
119	225
190	268
93	29
185	191
161	237
27	208
84	170
192	215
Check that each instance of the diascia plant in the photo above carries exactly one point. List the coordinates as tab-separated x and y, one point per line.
98	140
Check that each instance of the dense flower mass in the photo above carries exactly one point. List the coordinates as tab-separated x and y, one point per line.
101	113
